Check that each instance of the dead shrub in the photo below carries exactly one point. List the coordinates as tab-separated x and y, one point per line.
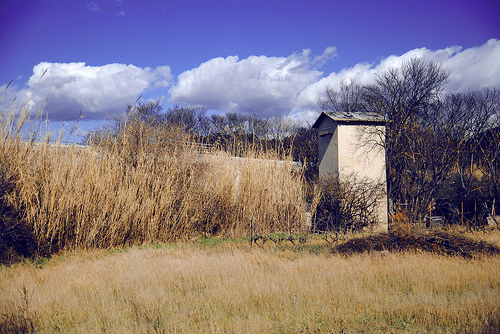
347	204
432	241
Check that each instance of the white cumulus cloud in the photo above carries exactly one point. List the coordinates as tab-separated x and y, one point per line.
267	86
470	69
262	85
97	91
475	68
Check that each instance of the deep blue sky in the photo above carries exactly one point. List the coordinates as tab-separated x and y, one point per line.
187	46
182	34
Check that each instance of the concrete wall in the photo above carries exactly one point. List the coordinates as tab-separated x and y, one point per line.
358	156
343	151
328	149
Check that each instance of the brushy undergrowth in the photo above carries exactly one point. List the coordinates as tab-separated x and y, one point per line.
405	237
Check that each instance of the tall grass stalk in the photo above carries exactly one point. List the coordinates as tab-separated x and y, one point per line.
146	184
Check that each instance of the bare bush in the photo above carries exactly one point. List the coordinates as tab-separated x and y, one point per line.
347	204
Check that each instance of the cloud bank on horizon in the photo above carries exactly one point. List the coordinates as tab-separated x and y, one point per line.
262	85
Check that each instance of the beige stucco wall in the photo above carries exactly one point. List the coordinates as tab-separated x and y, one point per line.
357	152
361	157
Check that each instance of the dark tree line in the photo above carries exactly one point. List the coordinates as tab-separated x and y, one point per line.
438	145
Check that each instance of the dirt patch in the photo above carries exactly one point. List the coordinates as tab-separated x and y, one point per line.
437	242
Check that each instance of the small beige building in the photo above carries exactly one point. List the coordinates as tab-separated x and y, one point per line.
349	145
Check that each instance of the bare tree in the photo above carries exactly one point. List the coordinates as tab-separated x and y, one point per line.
193	119
488	143
149	112
405	97
348	99
280	127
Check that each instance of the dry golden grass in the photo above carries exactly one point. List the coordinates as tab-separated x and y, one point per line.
235	289
144	185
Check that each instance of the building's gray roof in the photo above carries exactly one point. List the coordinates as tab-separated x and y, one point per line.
347	117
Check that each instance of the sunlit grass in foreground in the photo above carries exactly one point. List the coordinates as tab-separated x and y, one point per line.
224	286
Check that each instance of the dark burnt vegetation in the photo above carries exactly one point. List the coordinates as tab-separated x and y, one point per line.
429	241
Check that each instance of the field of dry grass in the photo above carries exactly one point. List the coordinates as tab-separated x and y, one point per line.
102	216
232	288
